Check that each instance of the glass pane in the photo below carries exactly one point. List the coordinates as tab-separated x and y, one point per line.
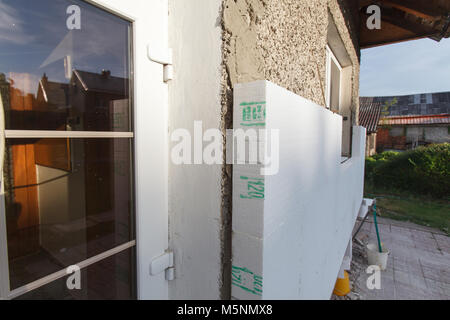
66	200
335	86
64	71
109	279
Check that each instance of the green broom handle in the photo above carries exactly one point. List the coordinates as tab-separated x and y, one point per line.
376	226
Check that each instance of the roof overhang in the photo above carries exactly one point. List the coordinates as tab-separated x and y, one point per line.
403	20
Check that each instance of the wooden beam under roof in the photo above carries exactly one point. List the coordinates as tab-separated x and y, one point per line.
417	8
404	20
365	3
397	18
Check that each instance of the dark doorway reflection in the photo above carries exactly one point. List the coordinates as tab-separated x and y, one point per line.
109	279
66	200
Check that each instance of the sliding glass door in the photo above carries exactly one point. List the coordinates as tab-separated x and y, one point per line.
66	87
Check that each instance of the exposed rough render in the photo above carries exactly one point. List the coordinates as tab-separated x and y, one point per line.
227	178
293	41
283	41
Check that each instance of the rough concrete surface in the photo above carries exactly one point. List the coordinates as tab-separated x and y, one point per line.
418	265
284	41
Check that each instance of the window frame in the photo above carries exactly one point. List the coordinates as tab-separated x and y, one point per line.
5	290
330	57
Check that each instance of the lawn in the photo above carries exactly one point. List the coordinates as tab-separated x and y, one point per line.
424	211
412	186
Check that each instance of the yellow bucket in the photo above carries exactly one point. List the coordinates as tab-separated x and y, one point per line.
342	287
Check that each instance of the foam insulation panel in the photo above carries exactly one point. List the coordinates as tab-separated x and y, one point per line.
291	229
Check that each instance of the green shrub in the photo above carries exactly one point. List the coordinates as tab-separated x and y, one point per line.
374	162
425	170
386	155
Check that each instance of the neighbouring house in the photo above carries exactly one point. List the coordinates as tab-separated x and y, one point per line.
412	120
410	132
102	191
109	96
369	116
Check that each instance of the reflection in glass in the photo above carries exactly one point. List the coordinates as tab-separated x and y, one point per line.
66	200
56	78
109	279
335	83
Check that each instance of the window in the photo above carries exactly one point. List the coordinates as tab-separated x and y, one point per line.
333	93
67	169
339	90
423	98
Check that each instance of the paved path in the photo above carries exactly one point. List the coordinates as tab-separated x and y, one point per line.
418	266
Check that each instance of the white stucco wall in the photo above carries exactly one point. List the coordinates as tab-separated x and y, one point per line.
290	244
195	190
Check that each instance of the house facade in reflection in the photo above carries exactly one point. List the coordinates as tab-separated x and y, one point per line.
63	192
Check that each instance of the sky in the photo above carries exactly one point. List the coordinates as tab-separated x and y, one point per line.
35	39
420	66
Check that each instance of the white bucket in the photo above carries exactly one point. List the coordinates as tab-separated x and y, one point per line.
376	257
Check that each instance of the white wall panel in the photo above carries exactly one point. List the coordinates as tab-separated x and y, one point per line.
195	191
294	239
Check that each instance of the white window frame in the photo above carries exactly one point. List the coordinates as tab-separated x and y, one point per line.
5	290
330	57
150	105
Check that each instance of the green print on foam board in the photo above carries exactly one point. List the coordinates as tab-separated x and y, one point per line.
246	280
255	188
253	114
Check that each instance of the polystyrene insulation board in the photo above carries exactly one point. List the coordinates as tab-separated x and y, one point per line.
289	242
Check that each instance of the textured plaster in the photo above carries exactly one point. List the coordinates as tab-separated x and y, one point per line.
284	41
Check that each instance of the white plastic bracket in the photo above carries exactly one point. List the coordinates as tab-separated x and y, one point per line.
164	263
163	57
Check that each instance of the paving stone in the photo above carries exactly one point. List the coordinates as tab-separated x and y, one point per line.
429	249
408	292
411	266
436	261
401	277
418	264
384	228
401	231
403	239
438	287
417	281
388	274
444	249
367	226
436	274
442	240
424	235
